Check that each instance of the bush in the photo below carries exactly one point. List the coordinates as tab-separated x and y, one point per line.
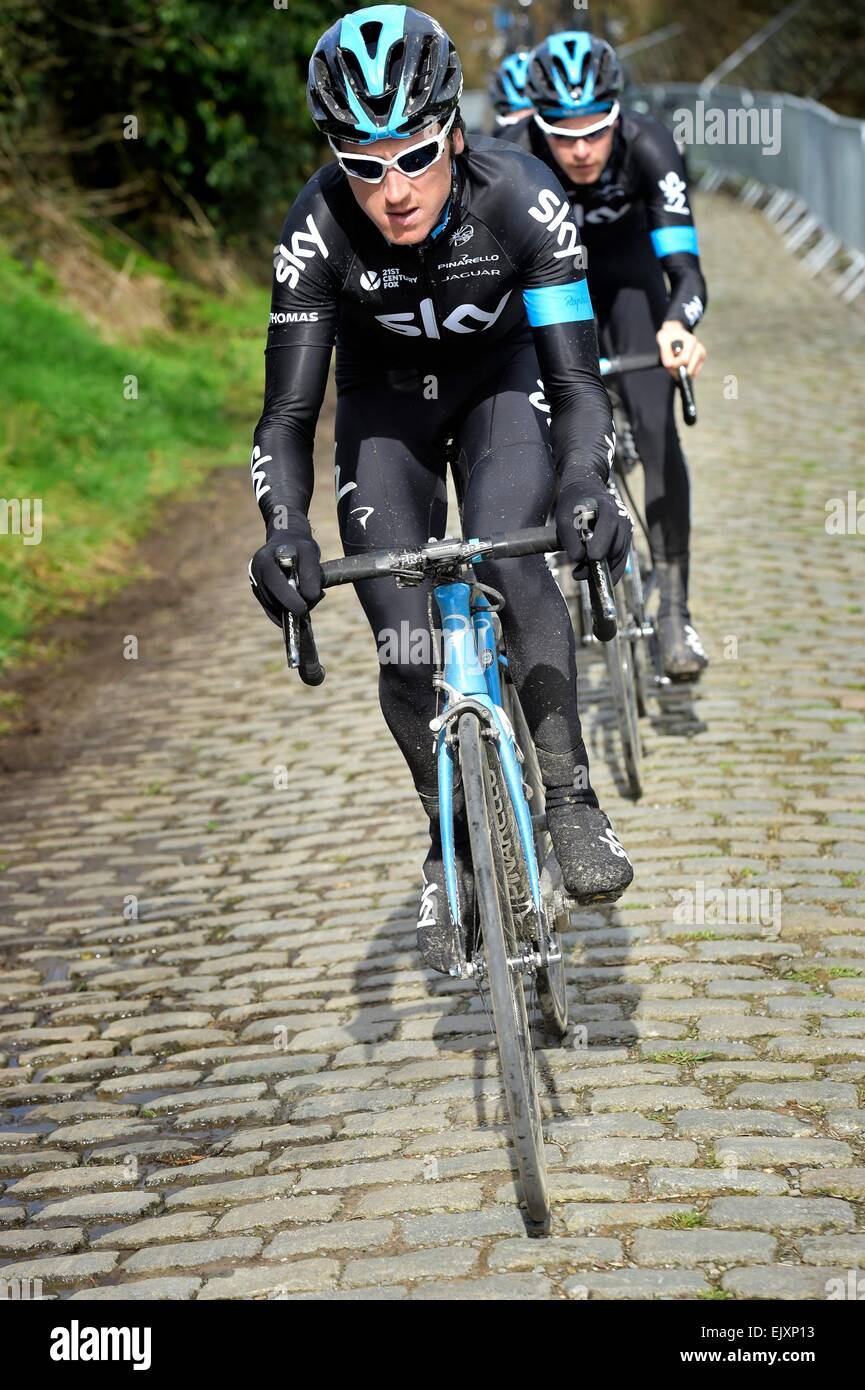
217	92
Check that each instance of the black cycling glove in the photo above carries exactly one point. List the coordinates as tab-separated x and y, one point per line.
611	535
270	582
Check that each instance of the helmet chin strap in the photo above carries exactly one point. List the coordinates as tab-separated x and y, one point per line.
447	208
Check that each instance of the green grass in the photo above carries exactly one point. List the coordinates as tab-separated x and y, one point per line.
683	1220
682	1056
101	463
809	976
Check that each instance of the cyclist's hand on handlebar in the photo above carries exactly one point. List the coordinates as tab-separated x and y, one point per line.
611	535
270	583
692	354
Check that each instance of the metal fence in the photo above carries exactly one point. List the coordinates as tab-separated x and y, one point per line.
820	158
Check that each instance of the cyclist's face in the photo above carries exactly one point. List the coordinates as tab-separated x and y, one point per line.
405	210
582	160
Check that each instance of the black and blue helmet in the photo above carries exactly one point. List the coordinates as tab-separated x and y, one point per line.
508	83
385	71
573	74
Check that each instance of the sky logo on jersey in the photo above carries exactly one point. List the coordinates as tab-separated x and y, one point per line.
553	211
675	192
606	213
693	310
288	262
457	321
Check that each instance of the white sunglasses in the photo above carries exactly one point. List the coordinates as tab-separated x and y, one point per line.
412	162
589	132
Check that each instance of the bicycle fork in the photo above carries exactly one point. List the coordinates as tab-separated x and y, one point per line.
470	681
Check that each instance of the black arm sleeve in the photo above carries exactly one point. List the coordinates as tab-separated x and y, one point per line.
308	270
550	263
660	173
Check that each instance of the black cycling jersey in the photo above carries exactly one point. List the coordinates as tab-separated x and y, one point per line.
501	269
641	195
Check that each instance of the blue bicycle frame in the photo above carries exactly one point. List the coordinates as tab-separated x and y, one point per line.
471	673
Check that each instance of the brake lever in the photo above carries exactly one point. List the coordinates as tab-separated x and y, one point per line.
286	563
604	621
300	649
686	389
289	635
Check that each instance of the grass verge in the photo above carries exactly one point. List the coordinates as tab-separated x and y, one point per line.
96	434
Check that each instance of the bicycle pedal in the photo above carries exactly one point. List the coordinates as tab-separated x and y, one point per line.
686	678
594	900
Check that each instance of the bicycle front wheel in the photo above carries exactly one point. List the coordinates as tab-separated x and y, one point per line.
550	980
483	785
623	685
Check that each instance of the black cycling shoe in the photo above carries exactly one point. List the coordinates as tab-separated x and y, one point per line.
594	865
682	654
436	937
435	930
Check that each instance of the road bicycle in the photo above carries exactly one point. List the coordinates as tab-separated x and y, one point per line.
512	946
632	654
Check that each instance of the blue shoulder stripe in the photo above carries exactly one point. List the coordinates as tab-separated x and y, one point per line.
558	304
668	241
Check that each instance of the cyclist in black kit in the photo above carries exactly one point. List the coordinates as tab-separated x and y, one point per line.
434	269
507	89
627	191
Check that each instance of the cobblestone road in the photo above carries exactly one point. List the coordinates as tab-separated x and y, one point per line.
251	1089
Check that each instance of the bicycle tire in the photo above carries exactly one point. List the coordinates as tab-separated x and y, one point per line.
550	980
620	669
634	620
641	677
507	993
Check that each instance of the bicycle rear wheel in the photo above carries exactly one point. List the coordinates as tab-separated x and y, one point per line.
623	685
632	590
501	946
626	678
641	676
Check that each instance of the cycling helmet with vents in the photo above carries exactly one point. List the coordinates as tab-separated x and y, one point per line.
573	74
386	71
